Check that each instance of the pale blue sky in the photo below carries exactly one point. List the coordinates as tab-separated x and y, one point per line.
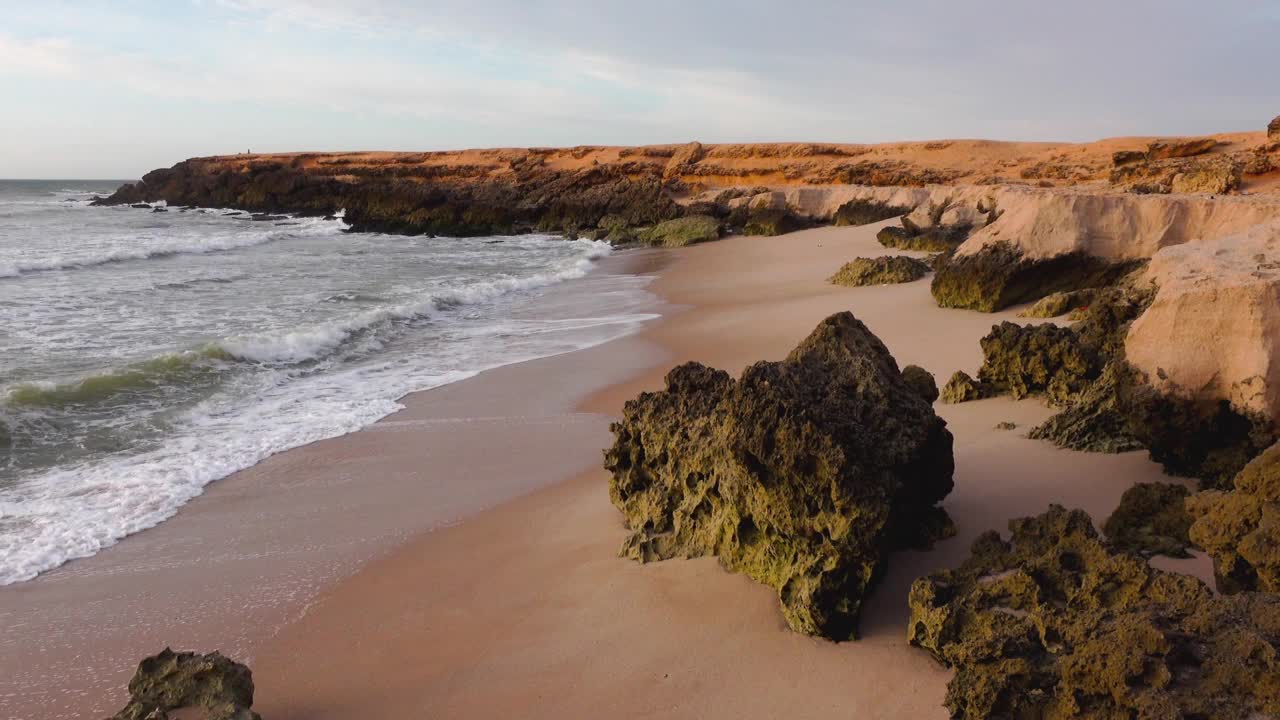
113	89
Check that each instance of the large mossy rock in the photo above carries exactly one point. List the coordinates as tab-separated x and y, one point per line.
882	270
865	212
1240	528
679	232
1045	359
772	221
218	687
1053	625
934	239
803	474
999	275
1151	520
922	382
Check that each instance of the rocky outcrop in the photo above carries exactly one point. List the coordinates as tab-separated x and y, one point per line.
1000	275
1151	520
882	270
1051	624
1240	528
921	381
865	212
802	474
1273	128
1047	360
963	388
1059	303
1097	420
679	232
1179	147
216	686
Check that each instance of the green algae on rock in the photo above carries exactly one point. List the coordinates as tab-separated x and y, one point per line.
802	474
1151	520
922	382
882	270
865	212
218	686
943	239
999	275
1059	303
1240	528
1095	421
772	221
682	231
963	388
1046	359
1052	625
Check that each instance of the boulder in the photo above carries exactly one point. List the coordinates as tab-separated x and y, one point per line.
1213	178
963	388
1240	528
1151	520
802	474
918	378
1052	624
883	270
220	688
679	232
1045	359
1273	128
771	221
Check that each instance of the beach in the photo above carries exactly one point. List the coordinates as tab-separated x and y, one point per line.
459	558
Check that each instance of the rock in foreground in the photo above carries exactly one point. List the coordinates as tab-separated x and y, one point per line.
1151	520
220	688
883	270
1053	625
1240	529
803	474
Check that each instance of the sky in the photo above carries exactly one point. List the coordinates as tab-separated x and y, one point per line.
113	89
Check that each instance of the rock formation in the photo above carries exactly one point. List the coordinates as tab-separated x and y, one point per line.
1052	625
883	270
999	275
219	687
1046	359
922	382
1151	520
1059	303
963	388
679	232
1273	128
865	212
802	474
1240	528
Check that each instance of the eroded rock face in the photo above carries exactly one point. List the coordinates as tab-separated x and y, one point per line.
999	275
802	474
1151	520
1053	625
1240	528
865	212
1179	148
219	687
883	270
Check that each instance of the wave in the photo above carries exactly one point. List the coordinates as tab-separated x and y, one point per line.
202	246
172	369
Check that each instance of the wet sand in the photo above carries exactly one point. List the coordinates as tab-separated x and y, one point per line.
525	610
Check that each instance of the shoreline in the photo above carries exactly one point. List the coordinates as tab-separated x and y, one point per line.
247	556
526	609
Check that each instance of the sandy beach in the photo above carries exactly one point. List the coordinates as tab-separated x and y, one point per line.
526	609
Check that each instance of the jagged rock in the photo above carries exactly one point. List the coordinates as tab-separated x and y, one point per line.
999	275
1059	303
1214	178
963	388
1150	520
1052	625
1215	174
1240	528
931	240
865	212
679	232
1125	157
918	378
1006	425
1046	359
1179	148
803	474
1095	421
883	270
216	685
1273	128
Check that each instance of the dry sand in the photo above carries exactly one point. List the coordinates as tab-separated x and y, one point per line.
526	611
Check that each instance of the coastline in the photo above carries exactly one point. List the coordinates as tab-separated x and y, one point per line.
247	556
526	609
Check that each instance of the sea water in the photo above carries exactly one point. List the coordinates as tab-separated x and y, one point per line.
145	354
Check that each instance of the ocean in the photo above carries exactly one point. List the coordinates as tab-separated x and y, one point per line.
146	352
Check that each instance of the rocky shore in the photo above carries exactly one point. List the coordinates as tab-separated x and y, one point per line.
1153	265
